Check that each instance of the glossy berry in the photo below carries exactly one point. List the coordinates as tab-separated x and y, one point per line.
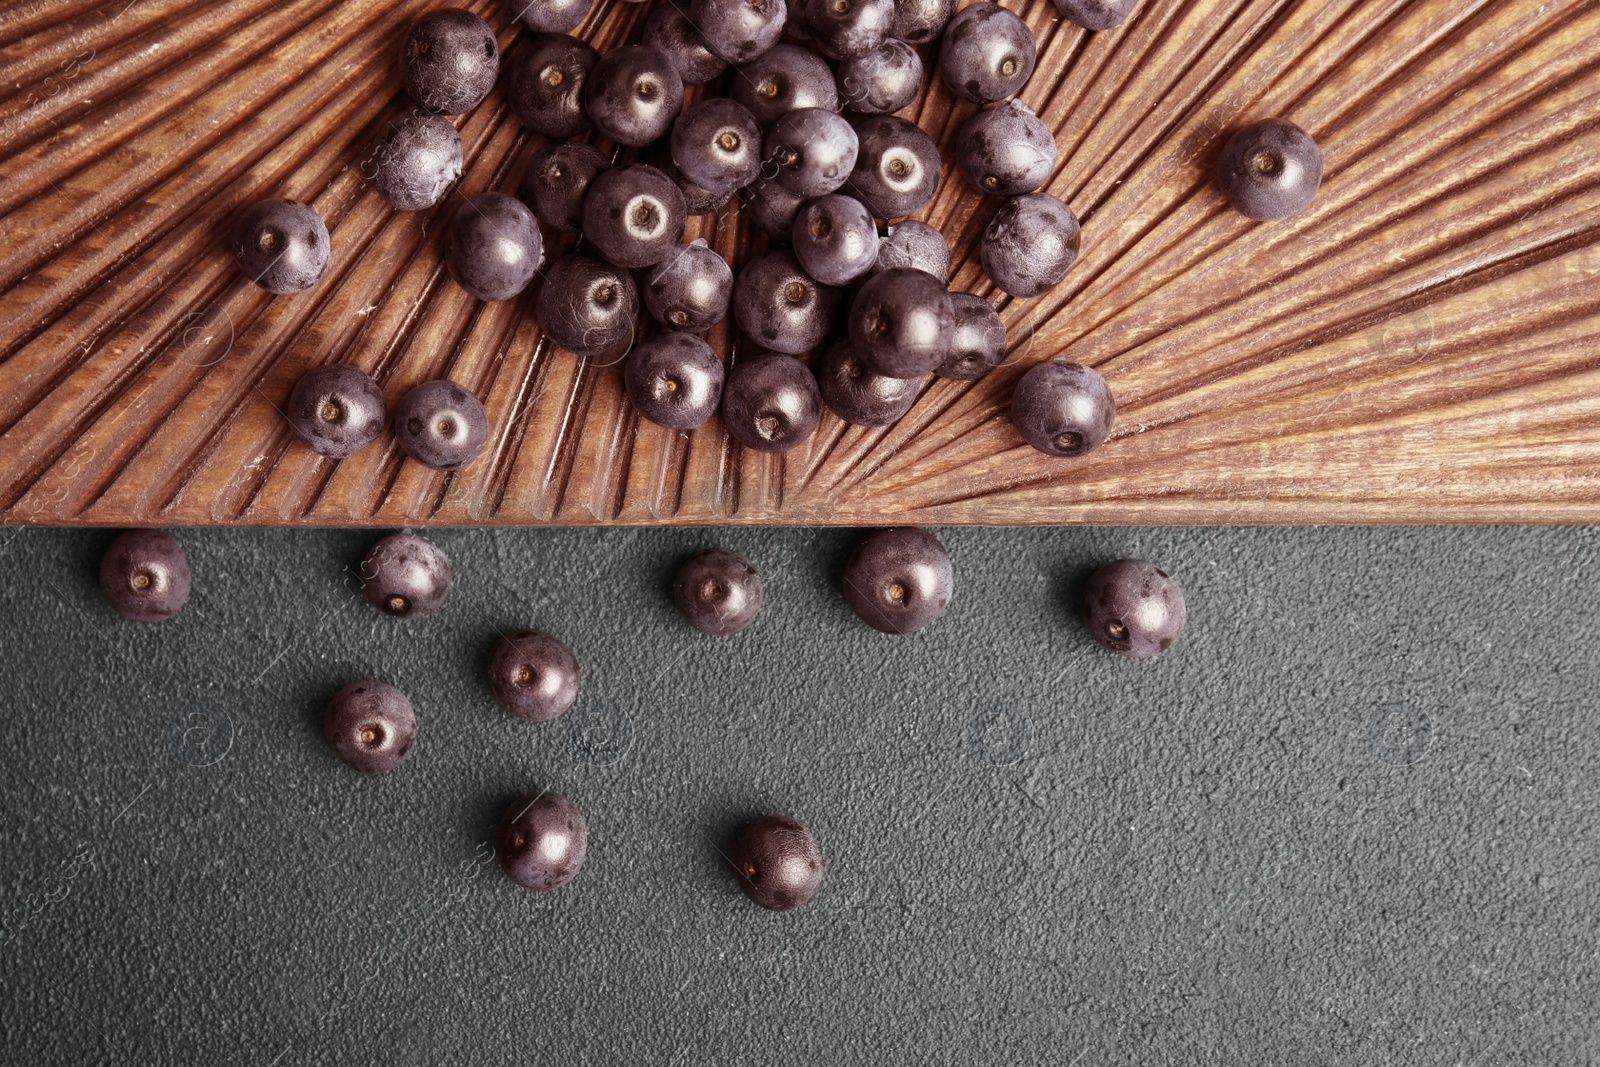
556	180
812	151
690	289
441	425
674	380
987	53
550	16
633	94
772	207
1096	14
780	306
1030	244
899	580
370	726
858	394
541	841
770	402
777	862
1006	150
533	675
417	162
495	246
920	21
844	29
782	80
634	216
336	410
978	343
739	30
587	305
897	170
717	592
449	61
546	85
282	246
144	576
1133	608
835	239
901	323
405	576
669	29
717	145
1270	170
883	80
914	244
1063	408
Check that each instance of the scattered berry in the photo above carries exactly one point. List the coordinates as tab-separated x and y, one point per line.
717	592
670	30
633	94
987	53
717	145
914	244
858	394
556	180
674	380
495	246
1095	14
897	170
405	576
282	245
899	580
417	161
770	402
1271	170
634	216
812	151
370	726
586	305
336	410
449	61
777	861
550	16
1133	608
144	576
883	80
780	306
541	841
901	323
690	289
441	425
845	29
782	80
1030	244
1006	150
978	343
533	675
546	85
739	30
921	21
1063	408
835	239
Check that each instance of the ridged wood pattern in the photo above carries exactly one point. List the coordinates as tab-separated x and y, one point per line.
1422	345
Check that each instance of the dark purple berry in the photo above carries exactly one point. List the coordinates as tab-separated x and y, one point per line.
634	216
782	80
921	21
901	322
405	576
495	246
739	30
556	180
144	576
835	239
1030	244
845	29
780	306
674	380
450	61
899	580
897	170
812	151
441	425
696	200
337	410
777	861
587	305
717	145
978	343
550	16
1271	170
633	94
770	402
1063	408
690	289
717	592
885	79
914	244
417	161
858	394
1096	14
1133	608
282	245
772	207
546	84
987	53
533	675
670	30
370	726
541	841
1006	150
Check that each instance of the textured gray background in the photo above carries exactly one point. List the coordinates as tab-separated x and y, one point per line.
1350	818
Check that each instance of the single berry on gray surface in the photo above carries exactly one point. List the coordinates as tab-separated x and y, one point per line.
777	861
1270	170
780	306
835	239
897	169
782	80
1063	408
674	380
336	410
1006	150
717	145
1030	244
282	246
899	580
449	61
495	246
545	89
587	305
978	343
144	576
739	30
634	216
883	80
901	322
550	16
415	164
533	675
1133	608
717	592
770	402
669	29
541	841
987	53
556	180
1096	14
690	289
914	244
633	94
370	726
858	394
844	29
405	576
772	207
921	21
441	425
811	150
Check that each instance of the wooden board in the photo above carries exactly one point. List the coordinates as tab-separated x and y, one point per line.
1423	345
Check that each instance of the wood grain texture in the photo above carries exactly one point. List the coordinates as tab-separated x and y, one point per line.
1423	345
